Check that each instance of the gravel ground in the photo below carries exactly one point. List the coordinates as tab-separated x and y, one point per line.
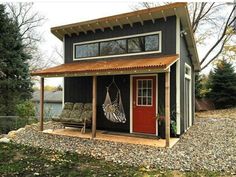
210	144
218	113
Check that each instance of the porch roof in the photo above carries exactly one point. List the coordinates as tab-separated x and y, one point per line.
110	67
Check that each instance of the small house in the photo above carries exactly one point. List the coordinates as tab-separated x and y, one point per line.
52	103
151	57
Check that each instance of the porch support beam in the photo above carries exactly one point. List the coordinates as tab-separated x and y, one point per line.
94	118
167	108
41	103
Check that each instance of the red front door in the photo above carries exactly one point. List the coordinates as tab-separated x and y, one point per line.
144	104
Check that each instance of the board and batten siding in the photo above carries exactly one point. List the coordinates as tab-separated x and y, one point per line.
185	58
168	29
161	91
79	89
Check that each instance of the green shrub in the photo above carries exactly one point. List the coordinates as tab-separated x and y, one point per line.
25	110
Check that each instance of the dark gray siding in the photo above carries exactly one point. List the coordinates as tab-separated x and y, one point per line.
185	58
79	89
123	82
168	29
161	91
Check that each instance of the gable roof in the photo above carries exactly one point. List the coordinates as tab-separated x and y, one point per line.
175	9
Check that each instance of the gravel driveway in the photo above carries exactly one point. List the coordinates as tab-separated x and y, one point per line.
209	144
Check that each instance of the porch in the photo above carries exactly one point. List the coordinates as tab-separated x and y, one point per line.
138	139
131	67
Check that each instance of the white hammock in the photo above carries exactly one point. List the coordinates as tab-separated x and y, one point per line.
114	111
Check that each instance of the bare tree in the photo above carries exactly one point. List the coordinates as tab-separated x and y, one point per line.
29	21
209	22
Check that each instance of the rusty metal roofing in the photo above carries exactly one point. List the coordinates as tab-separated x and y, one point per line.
110	67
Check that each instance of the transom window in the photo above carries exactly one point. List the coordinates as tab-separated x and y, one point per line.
86	50
129	45
144	92
113	47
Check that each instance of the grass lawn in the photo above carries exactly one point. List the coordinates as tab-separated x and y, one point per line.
18	160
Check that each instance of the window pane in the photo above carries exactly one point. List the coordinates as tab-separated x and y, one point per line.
144	101
86	50
144	92
144	83
149	92
113	47
187	71
136	45
152	43
149	101
139	100
139	92
149	84
139	83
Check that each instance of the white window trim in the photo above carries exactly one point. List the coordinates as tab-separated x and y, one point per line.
131	99
117	38
137	93
189	76
189	68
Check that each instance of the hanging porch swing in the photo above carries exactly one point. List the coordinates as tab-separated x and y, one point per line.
113	110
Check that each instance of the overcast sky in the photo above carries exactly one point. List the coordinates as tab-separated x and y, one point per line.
60	13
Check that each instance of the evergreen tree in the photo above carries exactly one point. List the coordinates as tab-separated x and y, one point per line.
222	84
15	83
198	85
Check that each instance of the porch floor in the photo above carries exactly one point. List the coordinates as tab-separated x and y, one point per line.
122	138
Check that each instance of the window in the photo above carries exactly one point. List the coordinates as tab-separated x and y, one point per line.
113	47
86	50
136	45
152	43
129	45
187	70
144	92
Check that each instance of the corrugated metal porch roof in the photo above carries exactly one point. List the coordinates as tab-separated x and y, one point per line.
110	67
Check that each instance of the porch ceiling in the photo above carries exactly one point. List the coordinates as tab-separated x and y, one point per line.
110	67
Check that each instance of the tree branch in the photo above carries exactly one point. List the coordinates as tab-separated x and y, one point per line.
222	36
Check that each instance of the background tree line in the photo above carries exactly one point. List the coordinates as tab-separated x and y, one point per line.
213	25
15	83
219	85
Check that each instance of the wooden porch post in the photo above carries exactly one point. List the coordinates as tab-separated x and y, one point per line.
167	108
94	107
41	102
